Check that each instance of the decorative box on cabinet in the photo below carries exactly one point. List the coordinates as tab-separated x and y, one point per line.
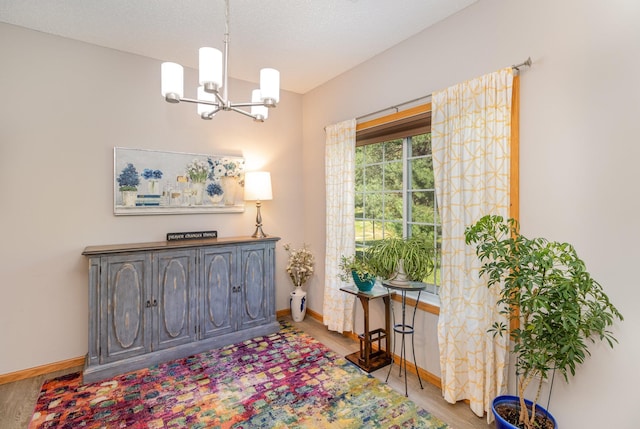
152	302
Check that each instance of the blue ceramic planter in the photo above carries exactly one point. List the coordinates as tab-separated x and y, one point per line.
364	285
514	401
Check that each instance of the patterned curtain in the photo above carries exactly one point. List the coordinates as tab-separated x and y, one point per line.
471	127
340	220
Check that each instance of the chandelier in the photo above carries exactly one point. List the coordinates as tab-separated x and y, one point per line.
212	92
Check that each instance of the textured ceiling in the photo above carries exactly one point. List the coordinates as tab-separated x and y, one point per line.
309	41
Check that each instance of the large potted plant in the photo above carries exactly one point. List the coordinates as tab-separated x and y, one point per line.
415	256
553	305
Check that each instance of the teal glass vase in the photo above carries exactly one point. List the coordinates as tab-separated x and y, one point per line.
364	284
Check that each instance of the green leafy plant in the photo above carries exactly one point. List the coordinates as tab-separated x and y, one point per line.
545	289
416	253
357	264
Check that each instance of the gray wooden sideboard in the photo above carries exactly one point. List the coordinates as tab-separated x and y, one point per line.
153	302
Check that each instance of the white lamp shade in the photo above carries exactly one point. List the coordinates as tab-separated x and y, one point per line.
205	96
256	97
270	84
172	80
257	186
210	66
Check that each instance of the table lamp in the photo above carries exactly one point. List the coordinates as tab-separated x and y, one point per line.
257	187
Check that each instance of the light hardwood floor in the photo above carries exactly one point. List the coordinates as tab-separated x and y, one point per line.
458	416
18	399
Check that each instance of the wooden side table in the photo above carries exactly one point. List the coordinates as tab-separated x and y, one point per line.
366	358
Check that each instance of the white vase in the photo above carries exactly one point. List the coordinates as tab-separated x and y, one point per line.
298	304
215	199
153	187
197	192
129	198
228	185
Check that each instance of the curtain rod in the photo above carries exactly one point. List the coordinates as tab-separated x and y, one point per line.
525	63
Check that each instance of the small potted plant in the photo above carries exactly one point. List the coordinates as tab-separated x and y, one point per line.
554	304
129	181
358	269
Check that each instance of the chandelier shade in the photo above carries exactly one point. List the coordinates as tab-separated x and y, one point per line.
210	67
213	80
270	85
258	110
205	96
172	79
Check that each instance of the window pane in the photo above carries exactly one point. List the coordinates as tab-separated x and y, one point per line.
393	206
359	228
392	229
393	176
373	153
393	150
359	205
377	231
421	144
421	173
422	206
373	206
427	232
373	177
359	178
360	155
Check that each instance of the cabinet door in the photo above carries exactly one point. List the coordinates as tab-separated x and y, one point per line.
218	278
124	329
173	300
256	287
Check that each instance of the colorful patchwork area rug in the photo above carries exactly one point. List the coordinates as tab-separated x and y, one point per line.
286	380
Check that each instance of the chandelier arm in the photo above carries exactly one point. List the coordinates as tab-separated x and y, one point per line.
209	103
235	109
222	101
258	103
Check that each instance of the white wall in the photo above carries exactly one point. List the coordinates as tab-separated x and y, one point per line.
579	153
65	106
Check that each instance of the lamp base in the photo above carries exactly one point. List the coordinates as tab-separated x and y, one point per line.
258	232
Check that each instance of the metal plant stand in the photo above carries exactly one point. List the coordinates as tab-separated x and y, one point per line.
404	328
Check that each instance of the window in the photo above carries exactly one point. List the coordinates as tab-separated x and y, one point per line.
395	188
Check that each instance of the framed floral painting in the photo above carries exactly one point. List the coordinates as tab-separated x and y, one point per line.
148	182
